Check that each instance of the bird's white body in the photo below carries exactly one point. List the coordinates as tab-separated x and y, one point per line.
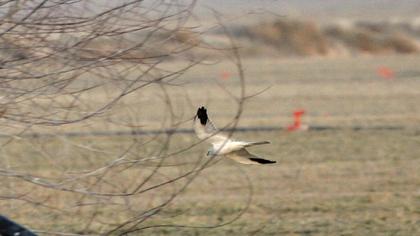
226	147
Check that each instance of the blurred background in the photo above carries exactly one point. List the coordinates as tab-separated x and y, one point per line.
97	100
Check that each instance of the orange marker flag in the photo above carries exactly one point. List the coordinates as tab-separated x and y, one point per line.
225	75
385	73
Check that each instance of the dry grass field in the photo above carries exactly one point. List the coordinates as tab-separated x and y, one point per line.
332	182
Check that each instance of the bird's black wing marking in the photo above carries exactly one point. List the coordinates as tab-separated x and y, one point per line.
262	161
8	227
202	115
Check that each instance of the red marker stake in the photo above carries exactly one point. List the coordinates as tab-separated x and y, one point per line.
297	125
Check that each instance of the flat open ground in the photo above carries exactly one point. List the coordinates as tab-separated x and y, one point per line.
333	182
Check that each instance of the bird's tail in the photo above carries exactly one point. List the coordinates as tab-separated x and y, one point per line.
256	143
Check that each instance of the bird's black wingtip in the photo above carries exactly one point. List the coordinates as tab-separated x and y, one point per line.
262	161
202	115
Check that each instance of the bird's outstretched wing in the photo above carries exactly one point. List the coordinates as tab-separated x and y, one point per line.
205	129
244	157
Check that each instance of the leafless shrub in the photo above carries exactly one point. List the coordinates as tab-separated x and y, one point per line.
293	37
402	44
373	39
71	63
307	38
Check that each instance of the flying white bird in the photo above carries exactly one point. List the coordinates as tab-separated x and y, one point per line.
222	145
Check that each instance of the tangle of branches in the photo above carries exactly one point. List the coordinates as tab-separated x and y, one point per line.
71	64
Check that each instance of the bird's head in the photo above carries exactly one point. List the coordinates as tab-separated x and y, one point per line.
210	152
